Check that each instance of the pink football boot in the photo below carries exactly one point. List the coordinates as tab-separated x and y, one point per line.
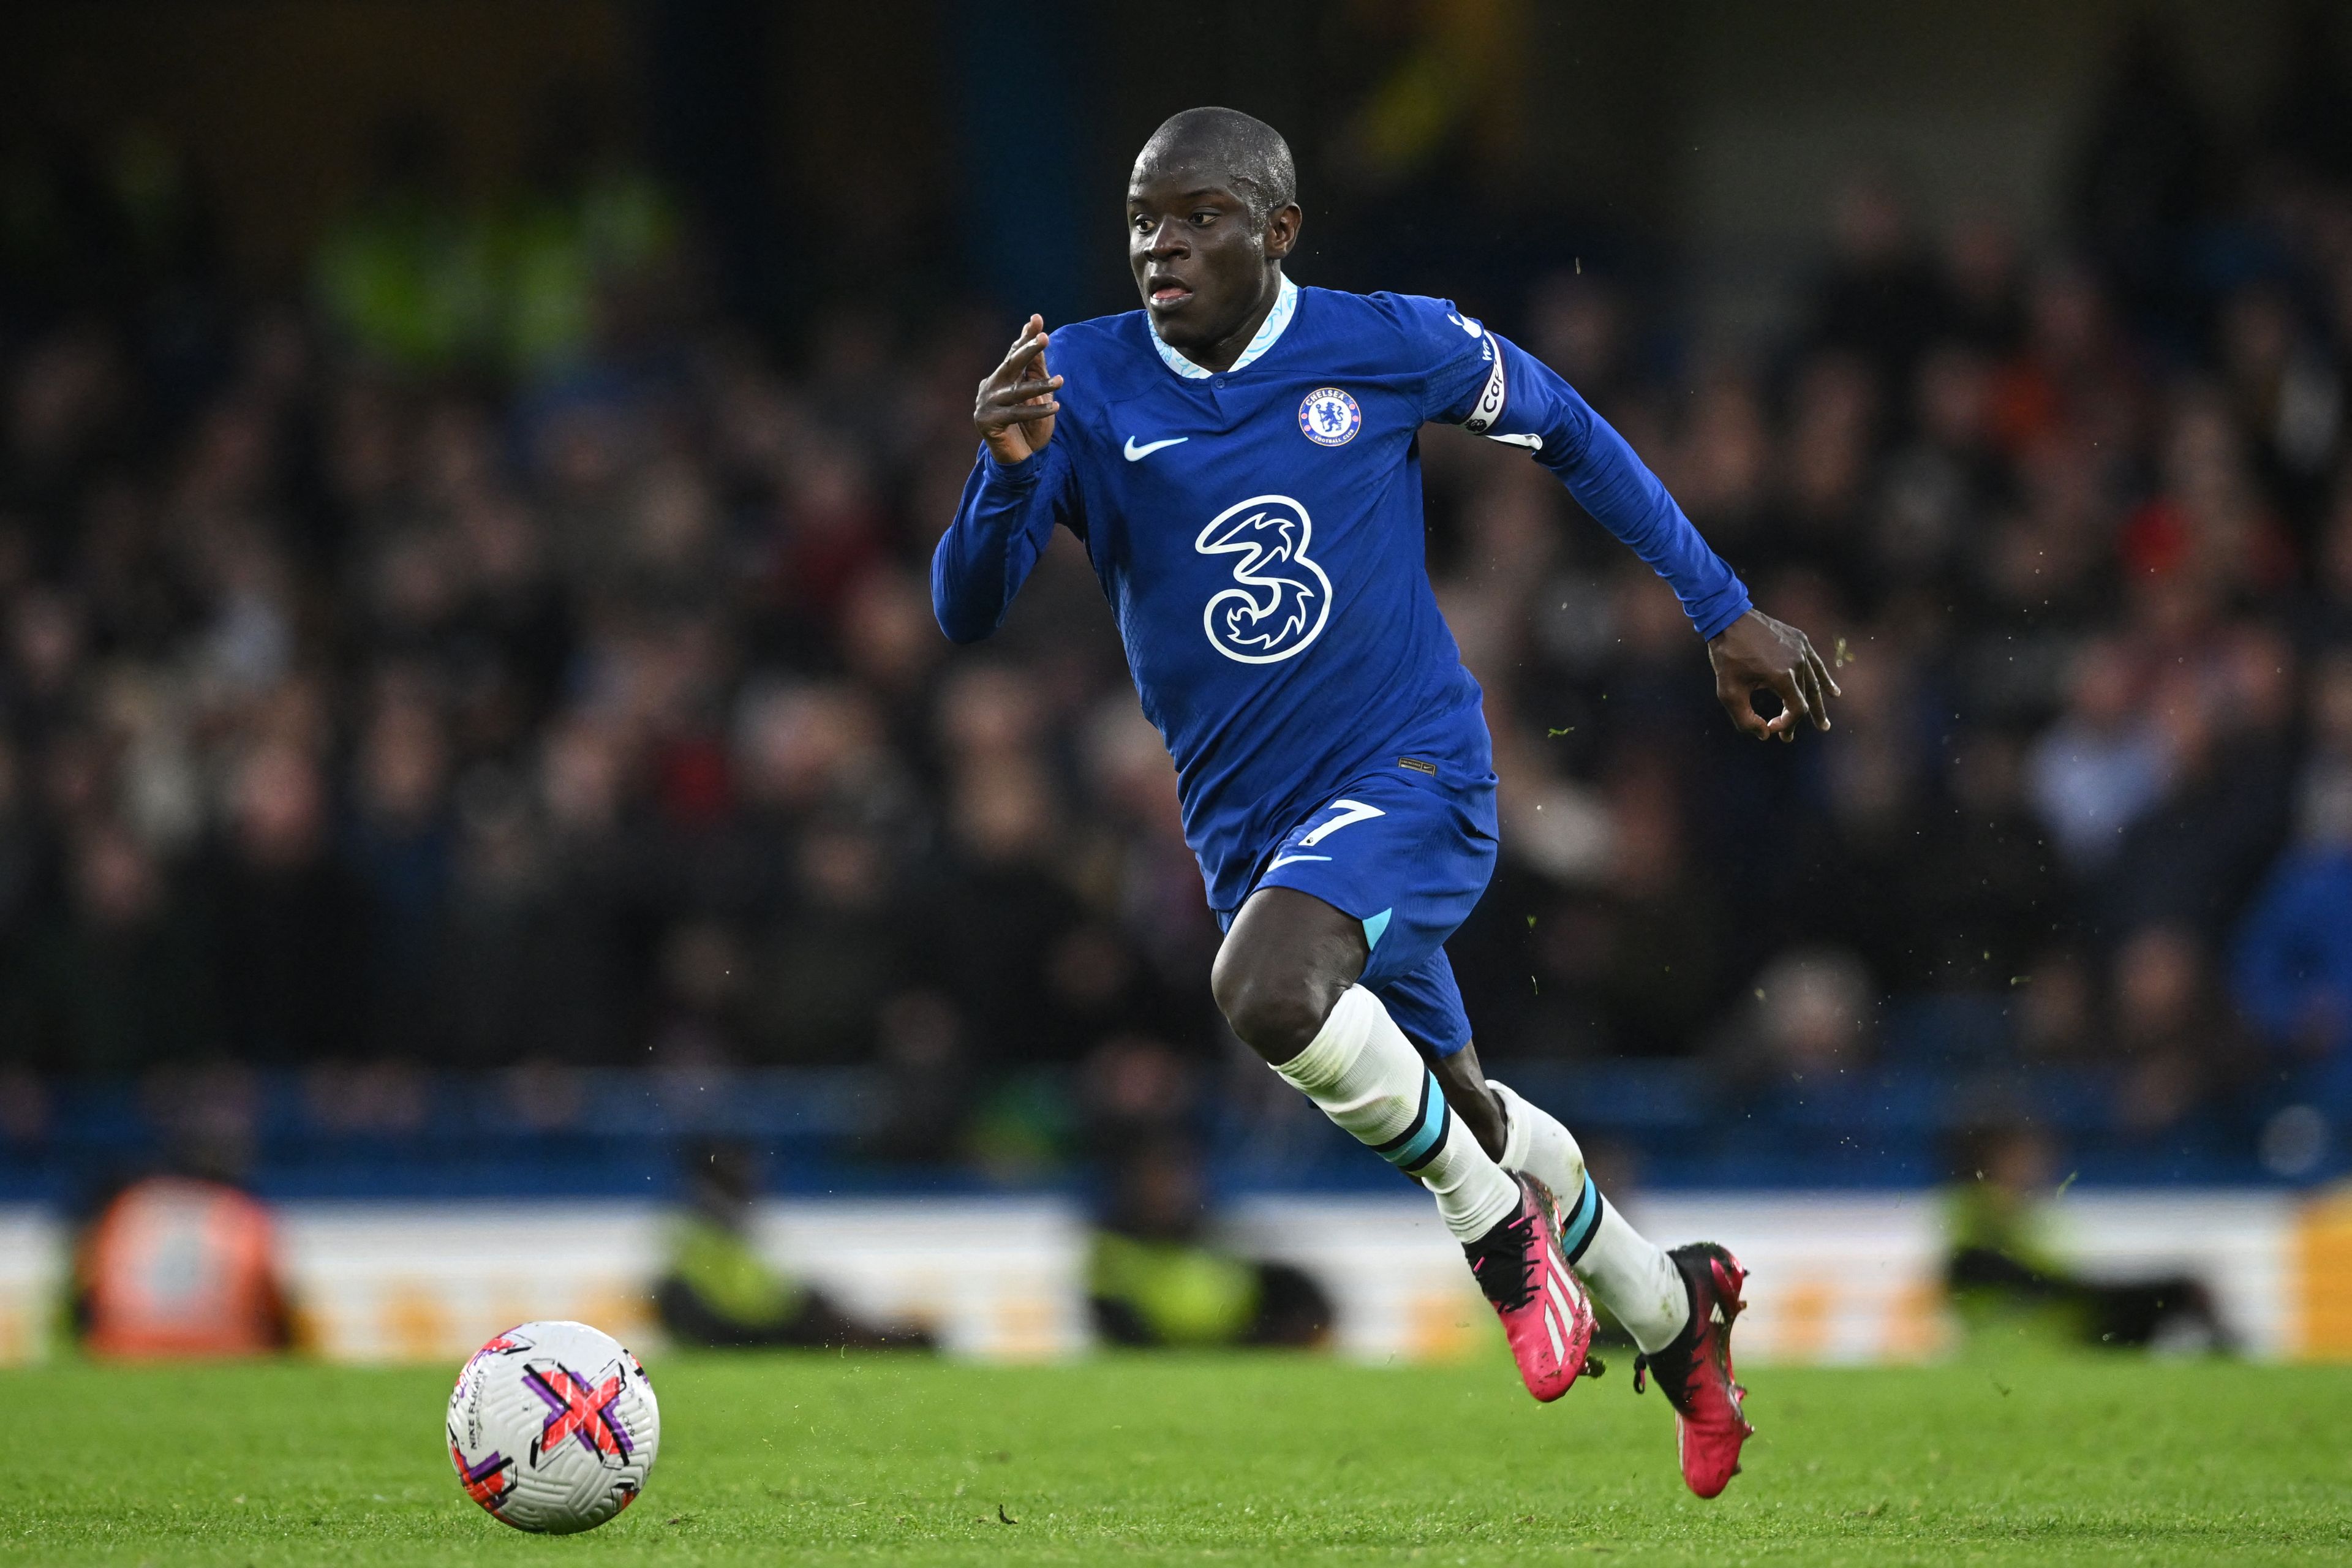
1546	1315
1694	1371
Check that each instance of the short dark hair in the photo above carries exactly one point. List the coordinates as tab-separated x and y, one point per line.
1246	149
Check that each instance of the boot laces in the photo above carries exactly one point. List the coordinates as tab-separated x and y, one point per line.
1505	1262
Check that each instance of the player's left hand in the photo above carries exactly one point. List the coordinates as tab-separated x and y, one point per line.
1757	652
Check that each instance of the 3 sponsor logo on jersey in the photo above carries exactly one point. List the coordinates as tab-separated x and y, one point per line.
1280	598
1329	417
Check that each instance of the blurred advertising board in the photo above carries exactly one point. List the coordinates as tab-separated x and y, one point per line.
1845	1277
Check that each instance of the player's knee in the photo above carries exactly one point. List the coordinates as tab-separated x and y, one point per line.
1276	1017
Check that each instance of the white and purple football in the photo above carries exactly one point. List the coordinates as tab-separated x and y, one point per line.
553	1428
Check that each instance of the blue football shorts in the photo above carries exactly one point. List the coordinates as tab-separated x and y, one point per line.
1409	857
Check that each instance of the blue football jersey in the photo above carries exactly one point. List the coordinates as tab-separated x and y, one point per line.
1258	532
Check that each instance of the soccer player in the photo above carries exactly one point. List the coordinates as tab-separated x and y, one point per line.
1240	459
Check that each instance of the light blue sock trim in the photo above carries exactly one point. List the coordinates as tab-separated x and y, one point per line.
1375	928
1577	1234
1417	1148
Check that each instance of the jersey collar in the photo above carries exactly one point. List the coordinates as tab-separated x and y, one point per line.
1271	328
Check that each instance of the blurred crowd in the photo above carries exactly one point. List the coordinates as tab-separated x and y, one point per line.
495	660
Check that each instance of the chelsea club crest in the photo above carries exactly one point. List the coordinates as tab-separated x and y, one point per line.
1329	417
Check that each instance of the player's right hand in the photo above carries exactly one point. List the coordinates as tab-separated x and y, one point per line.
1015	408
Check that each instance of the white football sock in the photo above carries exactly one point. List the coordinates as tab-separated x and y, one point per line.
1631	1275
1366	1076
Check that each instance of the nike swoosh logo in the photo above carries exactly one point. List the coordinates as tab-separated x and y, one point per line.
1286	859
1136	453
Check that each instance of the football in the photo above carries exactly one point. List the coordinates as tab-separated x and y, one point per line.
553	1428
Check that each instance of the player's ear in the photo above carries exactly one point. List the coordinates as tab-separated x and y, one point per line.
1282	231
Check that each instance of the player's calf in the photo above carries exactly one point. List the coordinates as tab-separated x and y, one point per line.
1280	961
1366	1076
1629	1274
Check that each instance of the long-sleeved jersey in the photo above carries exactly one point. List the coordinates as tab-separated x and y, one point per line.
1258	532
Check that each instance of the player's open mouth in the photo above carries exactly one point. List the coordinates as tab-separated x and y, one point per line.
1166	291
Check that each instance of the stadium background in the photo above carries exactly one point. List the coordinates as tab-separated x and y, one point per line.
473	720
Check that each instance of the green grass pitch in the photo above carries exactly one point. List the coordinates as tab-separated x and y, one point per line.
1226	1459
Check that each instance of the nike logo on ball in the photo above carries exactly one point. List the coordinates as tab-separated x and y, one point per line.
1134	453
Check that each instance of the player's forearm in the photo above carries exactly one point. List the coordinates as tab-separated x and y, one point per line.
1540	409
1000	530
1624	497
